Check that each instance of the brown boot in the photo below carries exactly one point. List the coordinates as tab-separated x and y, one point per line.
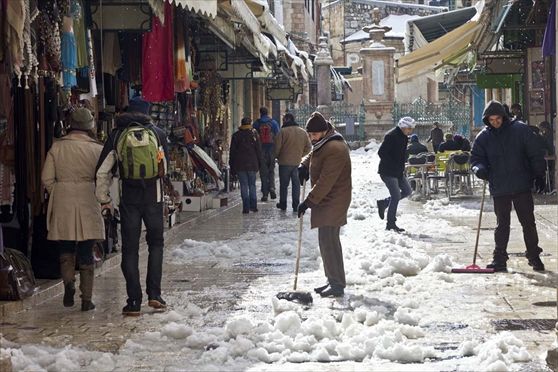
86	276
68	271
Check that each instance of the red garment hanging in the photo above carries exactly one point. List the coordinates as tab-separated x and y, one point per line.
157	61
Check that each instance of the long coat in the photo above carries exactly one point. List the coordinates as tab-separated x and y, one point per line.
69	177
330	176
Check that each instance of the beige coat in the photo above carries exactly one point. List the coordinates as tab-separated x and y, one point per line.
330	175
69	177
291	144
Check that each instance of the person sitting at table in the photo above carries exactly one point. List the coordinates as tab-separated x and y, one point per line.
462	142
449	144
415	147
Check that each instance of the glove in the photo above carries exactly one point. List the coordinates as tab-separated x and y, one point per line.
302	207
303	174
481	172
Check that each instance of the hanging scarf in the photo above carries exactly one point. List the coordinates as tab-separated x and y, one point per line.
181	80
69	56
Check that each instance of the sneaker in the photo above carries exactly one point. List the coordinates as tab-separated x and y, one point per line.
382	205
133	308
264	198
69	292
157	303
498	266
272	195
321	289
394	227
282	207
333	292
536	263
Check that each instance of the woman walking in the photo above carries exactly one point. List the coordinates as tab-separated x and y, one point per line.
74	215
245	160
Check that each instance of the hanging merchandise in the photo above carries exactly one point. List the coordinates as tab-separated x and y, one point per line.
80	33
69	54
29	53
157	61
212	106
111	53
16	22
182	81
49	38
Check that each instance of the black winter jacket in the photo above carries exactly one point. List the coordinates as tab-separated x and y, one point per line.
392	153
416	148
511	154
245	152
450	145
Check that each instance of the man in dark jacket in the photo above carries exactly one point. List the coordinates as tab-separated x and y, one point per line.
139	200
436	136
508	156
449	144
391	169
415	147
267	129
462	143
328	166
244	160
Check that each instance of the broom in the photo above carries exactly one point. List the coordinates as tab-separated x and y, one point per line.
474	268
304	298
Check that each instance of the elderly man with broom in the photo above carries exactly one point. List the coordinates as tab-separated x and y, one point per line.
328	166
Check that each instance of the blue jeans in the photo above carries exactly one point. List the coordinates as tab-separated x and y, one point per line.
399	188
288	174
248	190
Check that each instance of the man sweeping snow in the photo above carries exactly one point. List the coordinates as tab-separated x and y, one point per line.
329	168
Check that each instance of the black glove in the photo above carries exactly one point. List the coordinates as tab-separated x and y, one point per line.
481	172
303	174
302	207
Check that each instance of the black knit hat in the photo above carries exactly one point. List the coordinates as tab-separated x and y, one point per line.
316	123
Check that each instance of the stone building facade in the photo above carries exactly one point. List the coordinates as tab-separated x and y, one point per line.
342	18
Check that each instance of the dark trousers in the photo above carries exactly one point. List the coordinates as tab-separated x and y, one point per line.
524	208
83	250
248	194
131	216
288	174
267	171
399	188
332	255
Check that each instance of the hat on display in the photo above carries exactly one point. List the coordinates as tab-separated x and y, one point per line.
406	122
316	123
138	104
82	119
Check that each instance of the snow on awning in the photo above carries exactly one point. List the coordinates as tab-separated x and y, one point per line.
269	22
207	8
242	10
270	45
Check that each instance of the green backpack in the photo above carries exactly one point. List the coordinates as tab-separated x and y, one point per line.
137	150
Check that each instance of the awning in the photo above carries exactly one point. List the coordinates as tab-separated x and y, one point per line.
207	8
241	10
258	7
269	22
446	50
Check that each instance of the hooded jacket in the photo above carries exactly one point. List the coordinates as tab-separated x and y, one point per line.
392	153
132	191
510	154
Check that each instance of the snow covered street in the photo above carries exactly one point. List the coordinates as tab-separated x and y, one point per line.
402	309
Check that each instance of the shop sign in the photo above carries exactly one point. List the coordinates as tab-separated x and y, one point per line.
115	15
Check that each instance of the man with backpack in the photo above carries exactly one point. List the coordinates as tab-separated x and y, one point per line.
267	129
137	149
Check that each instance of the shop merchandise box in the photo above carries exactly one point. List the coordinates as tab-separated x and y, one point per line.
219	203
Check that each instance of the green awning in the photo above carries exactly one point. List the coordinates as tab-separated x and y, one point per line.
489	81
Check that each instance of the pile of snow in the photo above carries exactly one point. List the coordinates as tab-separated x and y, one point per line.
443	207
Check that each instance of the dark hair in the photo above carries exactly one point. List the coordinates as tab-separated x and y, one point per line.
288	118
263	111
516	105
506	109
436	124
245	121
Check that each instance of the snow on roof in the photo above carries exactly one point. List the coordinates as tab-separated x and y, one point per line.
397	22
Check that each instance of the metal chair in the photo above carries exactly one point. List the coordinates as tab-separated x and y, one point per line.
459	174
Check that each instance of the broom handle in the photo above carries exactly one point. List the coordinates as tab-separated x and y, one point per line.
480	219
299	243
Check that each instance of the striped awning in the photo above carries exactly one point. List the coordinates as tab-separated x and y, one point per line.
207	8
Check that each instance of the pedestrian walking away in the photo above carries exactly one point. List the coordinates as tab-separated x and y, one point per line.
138	149
507	154
392	169
267	129
436	136
74	215
291	144
328	166
244	160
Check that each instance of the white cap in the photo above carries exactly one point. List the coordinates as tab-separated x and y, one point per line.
406	122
